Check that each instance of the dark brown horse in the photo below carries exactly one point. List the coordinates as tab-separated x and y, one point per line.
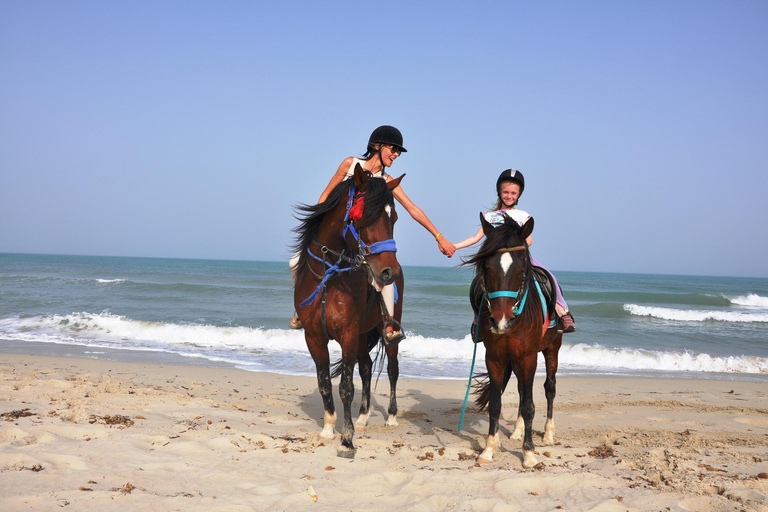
347	254
515	326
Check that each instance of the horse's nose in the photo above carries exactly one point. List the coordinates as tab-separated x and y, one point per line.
386	276
494	324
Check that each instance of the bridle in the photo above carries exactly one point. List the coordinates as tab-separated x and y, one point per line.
521	294
358	262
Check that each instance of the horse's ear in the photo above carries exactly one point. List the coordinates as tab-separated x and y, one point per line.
527	229
395	183
361	177
487	226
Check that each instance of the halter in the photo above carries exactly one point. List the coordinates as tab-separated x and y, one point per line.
520	303
355	263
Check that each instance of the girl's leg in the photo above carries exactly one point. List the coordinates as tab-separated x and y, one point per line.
566	322
558	294
292	264
295	323
392	331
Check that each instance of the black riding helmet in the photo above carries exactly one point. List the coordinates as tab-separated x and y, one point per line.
510	175
387	135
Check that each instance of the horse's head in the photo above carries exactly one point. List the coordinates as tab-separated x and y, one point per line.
369	232
504	263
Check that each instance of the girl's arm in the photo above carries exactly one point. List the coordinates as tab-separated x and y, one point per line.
471	240
337	178
446	247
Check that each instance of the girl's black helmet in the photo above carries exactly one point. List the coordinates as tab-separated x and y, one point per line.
511	175
387	135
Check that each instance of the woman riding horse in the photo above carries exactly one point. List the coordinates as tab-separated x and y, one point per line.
384	145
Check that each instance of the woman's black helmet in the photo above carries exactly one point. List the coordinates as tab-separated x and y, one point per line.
511	175
387	135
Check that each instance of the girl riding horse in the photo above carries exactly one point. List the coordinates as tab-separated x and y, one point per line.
509	188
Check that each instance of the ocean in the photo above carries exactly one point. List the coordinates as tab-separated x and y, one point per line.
236	313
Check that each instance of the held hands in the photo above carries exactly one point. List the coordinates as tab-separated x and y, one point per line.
445	246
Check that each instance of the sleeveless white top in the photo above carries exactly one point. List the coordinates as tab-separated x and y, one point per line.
496	217
351	172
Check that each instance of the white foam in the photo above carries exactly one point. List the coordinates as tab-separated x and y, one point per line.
684	315
752	300
285	349
110	281
595	356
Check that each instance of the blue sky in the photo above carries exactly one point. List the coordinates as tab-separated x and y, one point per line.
189	129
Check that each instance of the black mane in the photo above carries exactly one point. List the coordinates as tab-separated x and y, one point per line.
503	236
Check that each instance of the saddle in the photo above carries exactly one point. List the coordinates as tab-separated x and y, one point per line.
542	277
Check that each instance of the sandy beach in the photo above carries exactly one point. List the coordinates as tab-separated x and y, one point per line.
83	434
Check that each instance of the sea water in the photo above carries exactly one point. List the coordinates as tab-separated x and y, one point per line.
235	313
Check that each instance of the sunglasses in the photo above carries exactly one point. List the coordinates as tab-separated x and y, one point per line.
393	148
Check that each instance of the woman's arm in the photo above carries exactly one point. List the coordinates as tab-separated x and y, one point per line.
337	178
471	240
446	247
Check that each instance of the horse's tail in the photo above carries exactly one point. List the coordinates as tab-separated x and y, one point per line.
374	340
482	387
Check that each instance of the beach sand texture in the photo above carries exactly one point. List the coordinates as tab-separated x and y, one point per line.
79	434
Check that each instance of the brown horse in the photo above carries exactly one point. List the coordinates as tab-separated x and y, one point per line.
515	326
347	255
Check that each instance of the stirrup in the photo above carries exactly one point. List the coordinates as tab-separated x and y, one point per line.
396	336
295	323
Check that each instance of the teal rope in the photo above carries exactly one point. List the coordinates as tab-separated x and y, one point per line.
472	369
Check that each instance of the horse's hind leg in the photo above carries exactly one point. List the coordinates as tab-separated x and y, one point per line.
550	386
365	369
517	434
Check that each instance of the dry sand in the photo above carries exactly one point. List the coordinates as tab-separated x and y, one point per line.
78	434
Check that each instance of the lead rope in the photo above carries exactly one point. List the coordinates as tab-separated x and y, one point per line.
472	369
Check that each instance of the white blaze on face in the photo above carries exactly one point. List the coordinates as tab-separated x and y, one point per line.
388	209
506	262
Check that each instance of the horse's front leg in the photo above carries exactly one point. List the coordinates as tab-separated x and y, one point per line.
526	374
319	350
393	371
347	394
550	387
365	369
393	365
496	379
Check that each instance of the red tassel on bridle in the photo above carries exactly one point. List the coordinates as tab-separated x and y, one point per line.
356	211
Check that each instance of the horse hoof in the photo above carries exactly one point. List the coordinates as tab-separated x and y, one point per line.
346	453
529	460
392	421
360	427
